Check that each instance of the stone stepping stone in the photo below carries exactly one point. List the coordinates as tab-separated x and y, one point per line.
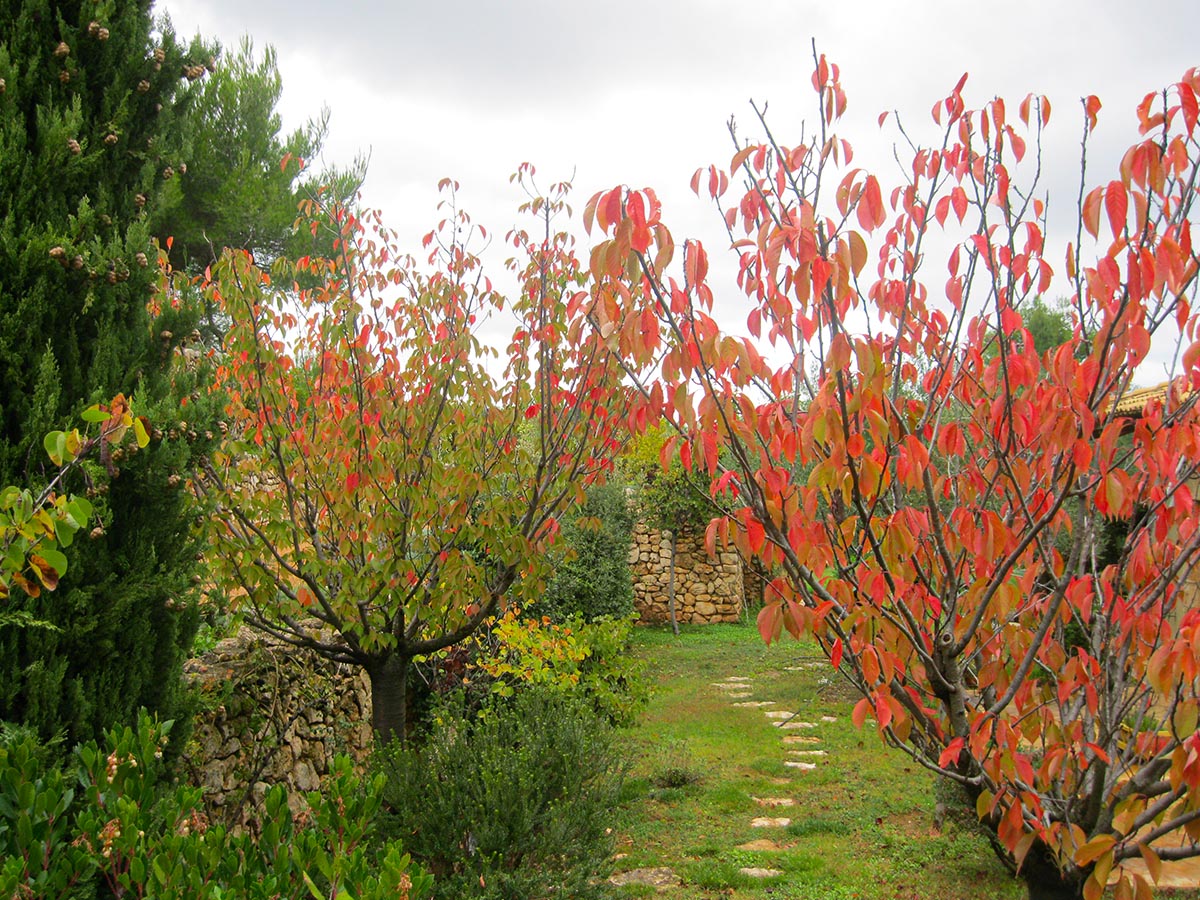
755	872
728	686
808	753
738	678
802	766
739	695
659	877
780	714
828	719
795	725
770	822
772	802
755	704
800	739
762	845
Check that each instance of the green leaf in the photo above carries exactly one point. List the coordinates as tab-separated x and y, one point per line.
56	445
64	531
54	557
94	414
79	509
139	432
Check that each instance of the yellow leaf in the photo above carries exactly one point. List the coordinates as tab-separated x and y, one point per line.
1153	863
1094	849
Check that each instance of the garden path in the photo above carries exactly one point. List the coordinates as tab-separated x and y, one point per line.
802	745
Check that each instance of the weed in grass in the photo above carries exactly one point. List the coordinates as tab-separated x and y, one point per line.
674	767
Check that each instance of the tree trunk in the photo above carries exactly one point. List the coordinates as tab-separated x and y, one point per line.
671	583
389	698
1044	879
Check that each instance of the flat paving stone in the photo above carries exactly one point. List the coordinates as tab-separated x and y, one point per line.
755	703
780	714
808	753
828	719
800	739
773	802
802	766
738	678
755	872
660	878
795	725
770	822
738	695
728	686
761	845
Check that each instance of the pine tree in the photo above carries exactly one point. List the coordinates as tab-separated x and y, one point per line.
89	105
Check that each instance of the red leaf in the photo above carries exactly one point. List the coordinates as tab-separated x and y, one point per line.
883	712
352	481
1116	203
835	653
862	709
950	755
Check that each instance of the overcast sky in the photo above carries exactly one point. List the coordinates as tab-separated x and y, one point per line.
639	92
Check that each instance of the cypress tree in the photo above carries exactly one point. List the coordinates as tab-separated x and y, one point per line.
89	102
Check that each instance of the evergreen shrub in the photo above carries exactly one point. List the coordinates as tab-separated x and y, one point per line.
509	802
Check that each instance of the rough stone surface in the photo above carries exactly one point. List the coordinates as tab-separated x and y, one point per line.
761	845
660	878
706	589
755	872
772	802
270	714
770	822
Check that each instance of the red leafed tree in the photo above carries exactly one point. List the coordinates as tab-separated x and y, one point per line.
929	490
387	473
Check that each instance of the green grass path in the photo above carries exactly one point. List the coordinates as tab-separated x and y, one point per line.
862	820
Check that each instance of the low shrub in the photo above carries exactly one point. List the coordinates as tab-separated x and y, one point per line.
512	801
590	561
585	660
108	825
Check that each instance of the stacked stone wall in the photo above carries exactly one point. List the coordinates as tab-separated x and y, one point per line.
706	589
270	714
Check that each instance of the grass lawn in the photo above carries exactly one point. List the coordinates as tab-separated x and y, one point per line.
862	823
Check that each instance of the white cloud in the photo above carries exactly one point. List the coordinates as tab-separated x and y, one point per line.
638	91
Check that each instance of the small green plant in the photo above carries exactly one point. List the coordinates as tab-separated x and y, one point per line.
514	803
674	766
109	824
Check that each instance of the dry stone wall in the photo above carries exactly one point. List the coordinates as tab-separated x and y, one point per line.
270	714
706	589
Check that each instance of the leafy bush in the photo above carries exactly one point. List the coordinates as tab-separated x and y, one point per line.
591	570
108	825
514	803
587	660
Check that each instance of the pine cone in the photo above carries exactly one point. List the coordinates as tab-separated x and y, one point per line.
159	55
93	28
110	139
143	86
62	50
102	34
73	146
